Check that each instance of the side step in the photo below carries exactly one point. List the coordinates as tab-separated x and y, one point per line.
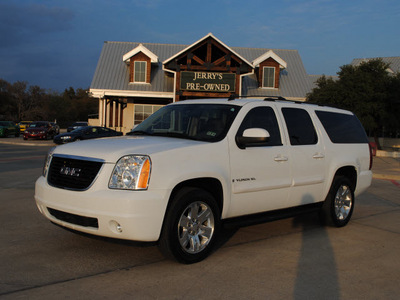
270	216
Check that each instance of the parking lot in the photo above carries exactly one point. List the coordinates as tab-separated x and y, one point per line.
295	258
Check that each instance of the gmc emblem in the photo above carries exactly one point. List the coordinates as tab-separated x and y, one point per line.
70	171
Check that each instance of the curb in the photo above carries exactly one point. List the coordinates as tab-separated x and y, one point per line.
382	153
386	177
27	143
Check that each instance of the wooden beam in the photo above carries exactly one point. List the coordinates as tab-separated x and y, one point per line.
209	51
204	68
219	61
199	60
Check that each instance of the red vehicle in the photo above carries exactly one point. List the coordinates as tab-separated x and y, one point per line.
40	130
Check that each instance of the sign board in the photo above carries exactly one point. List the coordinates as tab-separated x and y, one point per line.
208	82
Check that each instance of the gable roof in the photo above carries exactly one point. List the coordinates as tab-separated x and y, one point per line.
210	35
144	50
270	54
112	74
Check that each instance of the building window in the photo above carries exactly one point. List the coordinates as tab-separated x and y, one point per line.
140	71
142	112
269	77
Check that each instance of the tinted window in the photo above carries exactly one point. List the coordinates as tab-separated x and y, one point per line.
300	127
342	128
263	117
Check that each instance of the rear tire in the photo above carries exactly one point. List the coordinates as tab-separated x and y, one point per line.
191	226
339	203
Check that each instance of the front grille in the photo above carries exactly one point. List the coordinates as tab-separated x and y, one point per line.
72	173
74	219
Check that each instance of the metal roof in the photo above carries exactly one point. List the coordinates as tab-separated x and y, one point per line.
113	74
394	62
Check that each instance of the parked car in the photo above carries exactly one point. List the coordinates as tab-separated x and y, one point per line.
85	133
23	125
39	130
77	125
7	128
196	165
56	127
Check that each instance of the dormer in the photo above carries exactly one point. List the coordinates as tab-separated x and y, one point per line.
268	67
139	61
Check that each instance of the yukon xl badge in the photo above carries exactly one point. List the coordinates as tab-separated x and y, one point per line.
70	171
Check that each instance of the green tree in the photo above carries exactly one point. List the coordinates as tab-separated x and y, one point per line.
6	104
368	90
19	101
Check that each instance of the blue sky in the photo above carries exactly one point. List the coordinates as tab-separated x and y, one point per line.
56	44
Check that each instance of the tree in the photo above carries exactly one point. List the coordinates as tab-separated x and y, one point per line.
18	102
368	90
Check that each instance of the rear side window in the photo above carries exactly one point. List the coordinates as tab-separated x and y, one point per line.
300	127
342	128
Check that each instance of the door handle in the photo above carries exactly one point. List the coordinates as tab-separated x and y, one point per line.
281	158
318	156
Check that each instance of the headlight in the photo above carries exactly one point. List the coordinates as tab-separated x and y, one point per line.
47	161
132	172
68	137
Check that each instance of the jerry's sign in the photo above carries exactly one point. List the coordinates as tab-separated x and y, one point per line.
208	82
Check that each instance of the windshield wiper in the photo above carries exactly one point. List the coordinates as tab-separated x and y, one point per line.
175	135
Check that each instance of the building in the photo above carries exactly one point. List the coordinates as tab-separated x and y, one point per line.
133	80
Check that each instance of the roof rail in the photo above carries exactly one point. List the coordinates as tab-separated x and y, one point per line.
279	98
267	98
275	98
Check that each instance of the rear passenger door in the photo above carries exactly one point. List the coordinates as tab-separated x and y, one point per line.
307	157
260	173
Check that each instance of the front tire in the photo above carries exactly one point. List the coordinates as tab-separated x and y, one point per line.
191	226
339	203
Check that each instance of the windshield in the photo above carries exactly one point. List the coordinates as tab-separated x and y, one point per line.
203	122
38	125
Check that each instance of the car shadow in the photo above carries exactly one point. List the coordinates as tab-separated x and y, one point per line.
317	273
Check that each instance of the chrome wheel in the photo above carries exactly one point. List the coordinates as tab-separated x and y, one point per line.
343	202
196	227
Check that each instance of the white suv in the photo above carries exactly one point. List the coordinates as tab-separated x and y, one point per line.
195	165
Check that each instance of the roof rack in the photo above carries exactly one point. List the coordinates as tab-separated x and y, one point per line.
279	98
275	98
267	98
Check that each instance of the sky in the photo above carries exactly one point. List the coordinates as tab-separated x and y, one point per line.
56	44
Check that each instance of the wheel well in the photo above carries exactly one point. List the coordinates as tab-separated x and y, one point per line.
211	185
348	172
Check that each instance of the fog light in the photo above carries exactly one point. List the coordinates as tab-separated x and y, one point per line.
115	227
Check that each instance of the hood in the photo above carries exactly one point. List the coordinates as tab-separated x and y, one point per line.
36	129
112	149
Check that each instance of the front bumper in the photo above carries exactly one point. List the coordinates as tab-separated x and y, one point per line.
35	136
130	215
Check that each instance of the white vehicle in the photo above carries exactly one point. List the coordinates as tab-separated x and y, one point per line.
194	165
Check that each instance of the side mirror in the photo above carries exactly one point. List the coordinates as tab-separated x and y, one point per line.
253	137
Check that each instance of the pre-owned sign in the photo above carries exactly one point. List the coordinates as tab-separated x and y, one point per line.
208	82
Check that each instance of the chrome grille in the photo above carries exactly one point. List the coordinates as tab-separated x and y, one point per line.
72	173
